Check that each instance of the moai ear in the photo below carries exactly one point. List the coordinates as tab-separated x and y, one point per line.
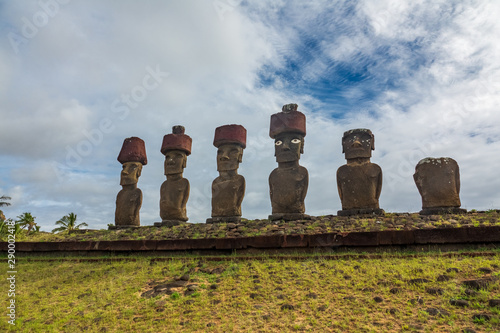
184	162
139	171
373	142
302	146
240	156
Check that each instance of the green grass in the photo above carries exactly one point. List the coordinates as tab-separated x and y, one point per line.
253	295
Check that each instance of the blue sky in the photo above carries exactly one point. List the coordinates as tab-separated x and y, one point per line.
78	77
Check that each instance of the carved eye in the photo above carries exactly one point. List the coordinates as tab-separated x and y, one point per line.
295	141
278	143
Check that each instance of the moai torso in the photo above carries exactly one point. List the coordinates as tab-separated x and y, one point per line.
227	196
128	204
438	181
173	199
288	189
359	185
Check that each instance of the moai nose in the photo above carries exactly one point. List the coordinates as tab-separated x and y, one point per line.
357	143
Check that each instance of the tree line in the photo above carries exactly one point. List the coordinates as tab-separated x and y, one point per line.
26	221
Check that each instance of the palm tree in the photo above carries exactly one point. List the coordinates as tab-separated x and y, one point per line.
68	222
6	229
26	220
4	203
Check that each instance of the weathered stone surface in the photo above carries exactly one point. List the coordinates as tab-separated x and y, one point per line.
479	283
177	140
469	330
437	311
481	316
486	270
288	183
359	182
395	290
459	302
416	301
418	281
230	134
438	182
443	278
174	192
133	150
228	189
494	302
129	199
289	120
287	307
434	291
168	223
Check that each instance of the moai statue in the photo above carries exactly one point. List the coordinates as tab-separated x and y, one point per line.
129	199
228	189
438	181
359	182
289	181
174	192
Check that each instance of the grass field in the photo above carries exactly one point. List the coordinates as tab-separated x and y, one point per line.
390	294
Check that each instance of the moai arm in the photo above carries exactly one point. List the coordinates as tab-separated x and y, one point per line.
241	192
305	184
271	187
457	179
137	205
339	186
379	183
186	194
417	182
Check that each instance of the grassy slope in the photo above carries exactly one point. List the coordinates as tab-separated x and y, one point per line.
106	297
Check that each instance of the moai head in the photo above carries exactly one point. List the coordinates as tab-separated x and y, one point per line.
176	147
133	157
358	143
288	129
230	141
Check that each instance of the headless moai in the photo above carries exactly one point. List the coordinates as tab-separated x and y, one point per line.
174	192
288	183
359	182
129	200
228	189
438	181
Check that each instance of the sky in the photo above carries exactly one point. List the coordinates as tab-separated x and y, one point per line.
78	77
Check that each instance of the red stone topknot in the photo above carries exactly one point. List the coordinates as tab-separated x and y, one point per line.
133	150
177	140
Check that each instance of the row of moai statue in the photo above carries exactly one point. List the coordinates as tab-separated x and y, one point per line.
359	182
